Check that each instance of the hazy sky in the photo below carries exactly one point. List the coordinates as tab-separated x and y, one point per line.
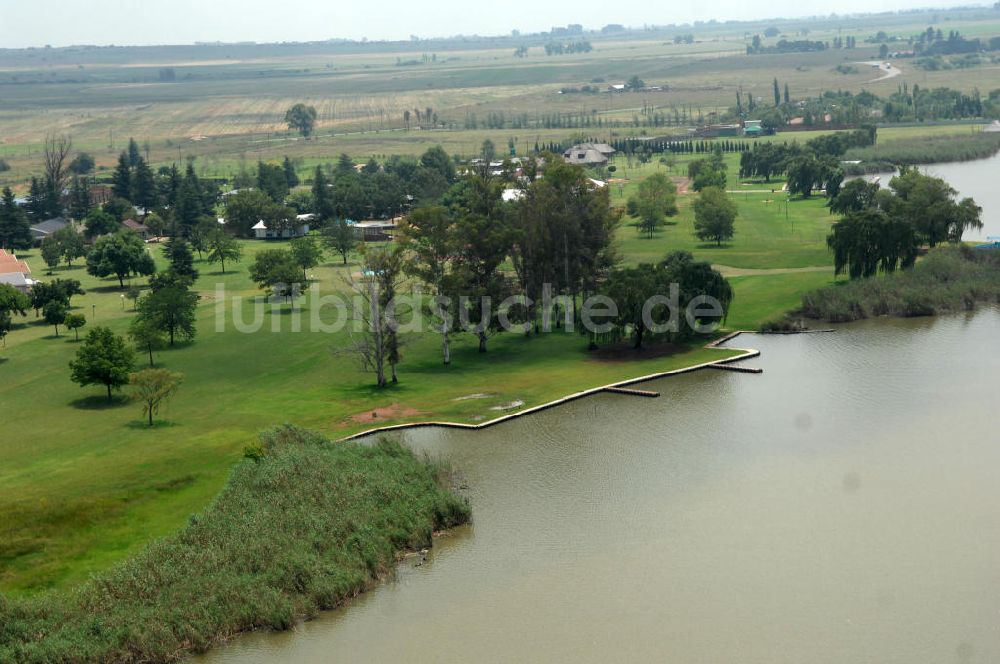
62	22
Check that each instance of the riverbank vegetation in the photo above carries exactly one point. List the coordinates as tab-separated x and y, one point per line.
892	154
947	280
301	526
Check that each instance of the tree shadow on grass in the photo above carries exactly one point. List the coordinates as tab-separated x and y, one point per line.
100	402
143	425
4	360
109	288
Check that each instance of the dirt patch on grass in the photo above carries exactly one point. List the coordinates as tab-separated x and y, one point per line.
624	352
683	184
478	395
391	412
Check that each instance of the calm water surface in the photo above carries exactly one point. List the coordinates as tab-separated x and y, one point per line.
978	179
842	507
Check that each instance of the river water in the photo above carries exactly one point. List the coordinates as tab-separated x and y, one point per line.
842	507
979	179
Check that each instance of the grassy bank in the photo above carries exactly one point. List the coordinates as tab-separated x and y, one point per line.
303	528
949	279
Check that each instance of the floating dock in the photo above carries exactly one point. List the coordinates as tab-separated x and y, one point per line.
737	368
632	392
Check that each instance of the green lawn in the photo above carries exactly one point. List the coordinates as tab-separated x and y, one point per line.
771	230
84	483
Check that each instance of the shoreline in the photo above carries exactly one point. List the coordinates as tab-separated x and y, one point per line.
745	354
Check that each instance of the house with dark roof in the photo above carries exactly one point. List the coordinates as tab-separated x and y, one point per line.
43	229
589	154
142	230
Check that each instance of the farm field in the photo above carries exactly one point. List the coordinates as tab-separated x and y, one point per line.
224	104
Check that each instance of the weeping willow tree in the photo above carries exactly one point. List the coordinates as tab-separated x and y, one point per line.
663	301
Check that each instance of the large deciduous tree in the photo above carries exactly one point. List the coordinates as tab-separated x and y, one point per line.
121	255
714	215
655	200
374	340
929	204
223	247
429	238
276	270
870	240
306	252
102	359
301	118
170	306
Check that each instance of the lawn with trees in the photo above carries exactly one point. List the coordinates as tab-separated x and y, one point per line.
579	236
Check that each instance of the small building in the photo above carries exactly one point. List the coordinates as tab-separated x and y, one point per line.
262	232
43	229
375	230
753	128
142	230
18	280
589	154
719	130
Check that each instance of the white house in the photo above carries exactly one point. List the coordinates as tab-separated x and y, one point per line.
262	232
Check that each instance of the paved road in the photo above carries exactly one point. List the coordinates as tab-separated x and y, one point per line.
886	68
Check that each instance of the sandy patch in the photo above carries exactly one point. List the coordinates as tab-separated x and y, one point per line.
508	406
391	412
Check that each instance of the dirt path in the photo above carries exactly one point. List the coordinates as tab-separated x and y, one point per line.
729	271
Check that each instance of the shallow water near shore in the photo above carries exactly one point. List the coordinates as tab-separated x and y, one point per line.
844	506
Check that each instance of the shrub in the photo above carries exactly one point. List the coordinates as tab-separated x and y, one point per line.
949	279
